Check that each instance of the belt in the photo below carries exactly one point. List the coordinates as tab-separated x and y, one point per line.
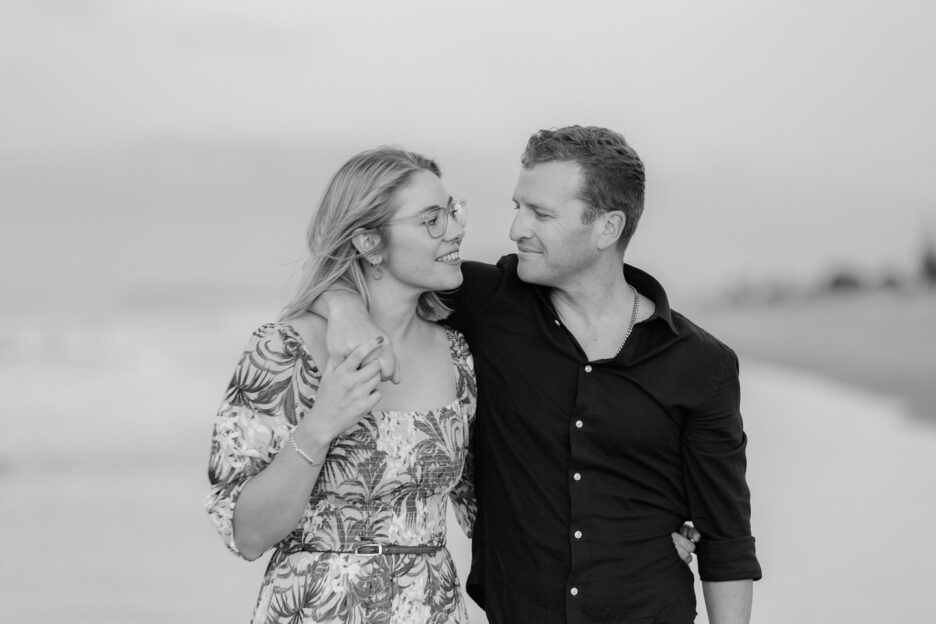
371	549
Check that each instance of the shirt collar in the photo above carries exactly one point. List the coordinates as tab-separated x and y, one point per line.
650	288
645	283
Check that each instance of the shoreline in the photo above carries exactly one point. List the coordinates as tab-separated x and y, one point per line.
874	341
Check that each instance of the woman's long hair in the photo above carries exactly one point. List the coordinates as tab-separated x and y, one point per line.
360	195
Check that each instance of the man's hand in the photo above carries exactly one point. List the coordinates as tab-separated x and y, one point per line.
685	541
348	326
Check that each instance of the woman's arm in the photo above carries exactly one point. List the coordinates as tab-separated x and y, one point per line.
266	456
271	504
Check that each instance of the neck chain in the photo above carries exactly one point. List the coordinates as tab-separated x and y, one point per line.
633	320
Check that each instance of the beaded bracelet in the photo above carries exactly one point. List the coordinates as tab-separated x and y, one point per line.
302	454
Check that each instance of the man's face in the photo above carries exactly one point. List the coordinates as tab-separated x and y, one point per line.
553	245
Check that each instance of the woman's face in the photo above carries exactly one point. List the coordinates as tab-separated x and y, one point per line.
411	256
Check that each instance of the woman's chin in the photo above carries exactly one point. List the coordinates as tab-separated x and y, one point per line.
458	278
452	281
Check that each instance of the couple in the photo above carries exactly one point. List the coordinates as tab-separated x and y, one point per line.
604	418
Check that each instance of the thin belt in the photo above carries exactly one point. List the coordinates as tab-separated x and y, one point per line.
371	549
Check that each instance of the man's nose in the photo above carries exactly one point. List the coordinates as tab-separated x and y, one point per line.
518	228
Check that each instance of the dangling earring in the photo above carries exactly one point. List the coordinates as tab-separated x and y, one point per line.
376	270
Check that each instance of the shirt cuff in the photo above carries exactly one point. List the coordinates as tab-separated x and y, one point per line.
728	560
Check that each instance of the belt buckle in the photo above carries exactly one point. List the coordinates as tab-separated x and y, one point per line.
379	547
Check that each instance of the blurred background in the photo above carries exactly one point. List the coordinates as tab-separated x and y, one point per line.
159	161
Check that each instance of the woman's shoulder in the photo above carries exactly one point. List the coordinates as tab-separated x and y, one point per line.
457	343
287	340
309	331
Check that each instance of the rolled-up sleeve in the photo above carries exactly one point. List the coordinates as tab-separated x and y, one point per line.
714	462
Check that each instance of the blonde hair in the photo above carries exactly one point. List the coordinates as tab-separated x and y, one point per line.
359	195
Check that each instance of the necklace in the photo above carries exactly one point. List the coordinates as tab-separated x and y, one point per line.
633	320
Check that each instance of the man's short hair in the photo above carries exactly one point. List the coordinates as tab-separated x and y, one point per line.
613	174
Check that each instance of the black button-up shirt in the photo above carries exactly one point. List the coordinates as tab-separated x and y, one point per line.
584	468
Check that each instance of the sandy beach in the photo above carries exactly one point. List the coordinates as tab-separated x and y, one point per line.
104	445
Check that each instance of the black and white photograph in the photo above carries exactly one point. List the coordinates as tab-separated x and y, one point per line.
467	313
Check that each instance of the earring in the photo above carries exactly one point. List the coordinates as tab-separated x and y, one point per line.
376	270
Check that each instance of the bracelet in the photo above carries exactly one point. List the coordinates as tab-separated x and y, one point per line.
303	454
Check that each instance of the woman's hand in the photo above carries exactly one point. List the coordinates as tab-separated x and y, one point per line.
685	541
347	391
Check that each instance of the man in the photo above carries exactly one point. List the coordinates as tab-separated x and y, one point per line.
604	417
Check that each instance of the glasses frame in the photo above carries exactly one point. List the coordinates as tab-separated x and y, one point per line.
457	209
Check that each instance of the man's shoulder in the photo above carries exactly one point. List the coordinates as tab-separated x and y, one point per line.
702	342
503	273
505	265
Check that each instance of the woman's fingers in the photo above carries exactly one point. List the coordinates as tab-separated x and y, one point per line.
684	547
370	401
685	541
691	533
357	355
389	366
367	377
357	388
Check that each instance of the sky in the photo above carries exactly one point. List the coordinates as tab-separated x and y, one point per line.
163	144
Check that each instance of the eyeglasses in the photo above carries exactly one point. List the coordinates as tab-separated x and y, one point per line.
436	218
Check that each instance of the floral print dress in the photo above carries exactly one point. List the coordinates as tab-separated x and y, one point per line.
385	480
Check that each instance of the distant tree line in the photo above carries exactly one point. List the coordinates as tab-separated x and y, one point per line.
842	281
929	264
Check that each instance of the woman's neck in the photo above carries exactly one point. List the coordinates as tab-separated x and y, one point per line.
394	311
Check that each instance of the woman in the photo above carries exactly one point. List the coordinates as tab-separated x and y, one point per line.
347	476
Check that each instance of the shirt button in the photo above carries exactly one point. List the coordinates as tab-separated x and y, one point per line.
588	368
578	535
574	591
578	424
556	321
577	476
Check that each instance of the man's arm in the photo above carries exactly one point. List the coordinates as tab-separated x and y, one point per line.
714	459
354	328
728	602
349	323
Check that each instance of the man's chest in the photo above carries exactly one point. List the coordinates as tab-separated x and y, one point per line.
537	384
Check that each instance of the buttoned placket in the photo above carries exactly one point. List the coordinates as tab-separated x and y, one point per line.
576	535
576	492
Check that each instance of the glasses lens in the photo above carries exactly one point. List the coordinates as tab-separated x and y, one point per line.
436	222
460	211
